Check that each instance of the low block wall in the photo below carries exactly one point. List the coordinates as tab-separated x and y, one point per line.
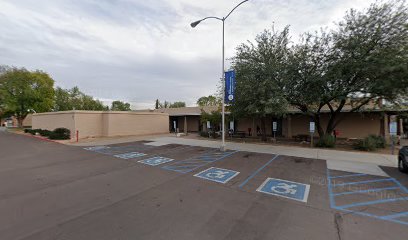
103	124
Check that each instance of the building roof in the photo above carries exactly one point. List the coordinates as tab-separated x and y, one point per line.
196	111
184	111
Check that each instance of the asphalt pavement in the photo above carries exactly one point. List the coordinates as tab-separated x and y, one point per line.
139	191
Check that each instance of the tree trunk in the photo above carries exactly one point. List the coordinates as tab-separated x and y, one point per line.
263	128
20	121
318	125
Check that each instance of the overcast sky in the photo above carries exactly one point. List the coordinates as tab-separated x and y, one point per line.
140	50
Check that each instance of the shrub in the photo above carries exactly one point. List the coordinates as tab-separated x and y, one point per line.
27	130
367	144
45	133
327	141
370	143
204	134
60	134
380	141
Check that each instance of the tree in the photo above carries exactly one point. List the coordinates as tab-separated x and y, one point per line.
23	91
74	99
215	118
363	60
167	104
120	106
259	75
177	105
208	101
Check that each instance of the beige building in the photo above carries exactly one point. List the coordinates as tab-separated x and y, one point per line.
188	119
185	119
353	125
103	123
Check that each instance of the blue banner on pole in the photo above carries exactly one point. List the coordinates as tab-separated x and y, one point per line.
229	86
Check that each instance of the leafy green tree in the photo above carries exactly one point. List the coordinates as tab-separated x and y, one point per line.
362	60
167	104
120	106
177	105
74	99
260	70
22	91
208	101
215	118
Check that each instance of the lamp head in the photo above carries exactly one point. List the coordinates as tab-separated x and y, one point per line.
194	24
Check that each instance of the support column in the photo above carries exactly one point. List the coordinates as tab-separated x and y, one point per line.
289	122
185	125
386	129
401	127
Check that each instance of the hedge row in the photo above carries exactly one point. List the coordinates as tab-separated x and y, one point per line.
57	134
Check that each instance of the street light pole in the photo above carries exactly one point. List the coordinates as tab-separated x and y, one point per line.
222	148
193	25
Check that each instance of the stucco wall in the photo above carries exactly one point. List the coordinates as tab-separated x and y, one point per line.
106	124
53	120
353	125
132	123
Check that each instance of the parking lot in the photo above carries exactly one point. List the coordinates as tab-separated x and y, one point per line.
140	190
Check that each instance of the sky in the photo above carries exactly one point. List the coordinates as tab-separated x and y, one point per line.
140	50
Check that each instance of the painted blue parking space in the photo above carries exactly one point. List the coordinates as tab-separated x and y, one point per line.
219	175
96	148
369	188
108	150
130	155
154	161
286	189
193	163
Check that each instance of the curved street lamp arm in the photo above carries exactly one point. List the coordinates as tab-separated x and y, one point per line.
213	18
235	8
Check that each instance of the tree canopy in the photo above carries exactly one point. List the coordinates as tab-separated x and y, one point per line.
120	106
22	91
167	104
208	101
74	99
260	71
363	59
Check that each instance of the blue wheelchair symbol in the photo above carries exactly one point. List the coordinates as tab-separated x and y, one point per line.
286	189
129	155
219	175
154	161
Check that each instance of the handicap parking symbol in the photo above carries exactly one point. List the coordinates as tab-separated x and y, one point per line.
130	155
219	175
96	148
154	161
286	189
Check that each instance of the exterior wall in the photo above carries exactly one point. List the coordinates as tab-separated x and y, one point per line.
53	120
245	123
106	124
356	125
353	125
89	124
28	121
193	123
132	123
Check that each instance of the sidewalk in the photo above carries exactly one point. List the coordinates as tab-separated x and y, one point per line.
316	153
335	158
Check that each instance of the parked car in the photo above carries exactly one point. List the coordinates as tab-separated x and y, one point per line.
403	159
